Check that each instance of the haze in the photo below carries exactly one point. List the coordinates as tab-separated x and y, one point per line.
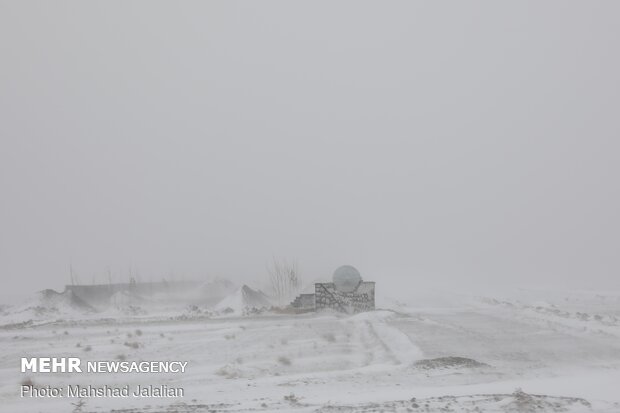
422	142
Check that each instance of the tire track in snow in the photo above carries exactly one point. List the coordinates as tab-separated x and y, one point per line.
396	345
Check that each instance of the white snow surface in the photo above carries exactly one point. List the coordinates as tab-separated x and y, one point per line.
526	351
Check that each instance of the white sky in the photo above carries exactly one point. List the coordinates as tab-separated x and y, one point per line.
422	142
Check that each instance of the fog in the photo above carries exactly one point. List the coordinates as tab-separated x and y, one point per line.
425	143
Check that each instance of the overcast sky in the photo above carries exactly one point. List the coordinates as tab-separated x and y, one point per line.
447	142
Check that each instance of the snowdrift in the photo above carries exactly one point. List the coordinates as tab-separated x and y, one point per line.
48	304
243	301
213	292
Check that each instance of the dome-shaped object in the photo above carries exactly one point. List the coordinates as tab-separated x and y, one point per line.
346	279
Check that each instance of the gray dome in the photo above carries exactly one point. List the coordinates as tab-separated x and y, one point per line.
346	279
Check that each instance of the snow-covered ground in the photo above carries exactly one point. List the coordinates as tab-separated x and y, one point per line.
527	351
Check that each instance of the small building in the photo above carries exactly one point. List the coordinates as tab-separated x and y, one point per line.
348	293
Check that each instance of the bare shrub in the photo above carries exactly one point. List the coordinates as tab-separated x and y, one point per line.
77	406
284	280
229	372
285	361
330	337
291	398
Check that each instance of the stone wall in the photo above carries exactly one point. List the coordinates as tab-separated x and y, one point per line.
304	302
326	296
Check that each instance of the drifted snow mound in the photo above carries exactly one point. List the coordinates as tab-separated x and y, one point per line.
49	304
67	301
448	362
122	299
243	301
215	291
